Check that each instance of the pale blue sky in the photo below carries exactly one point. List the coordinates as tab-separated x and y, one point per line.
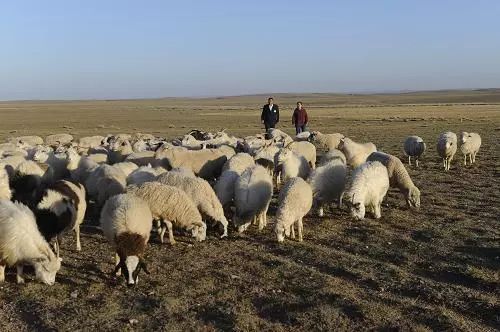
132	49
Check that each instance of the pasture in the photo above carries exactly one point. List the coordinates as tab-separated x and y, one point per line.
432	269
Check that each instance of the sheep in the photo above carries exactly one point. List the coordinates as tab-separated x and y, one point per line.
98	157
205	163
57	162
328	183
305	149
279	136
143	158
28	182
26	140
326	141
294	202
398	177
11	163
126	223
289	164
267	164
369	185
144	174
471	142
356	153
5	192
171	206
232	169
414	146
90	142
332	154
119	150
79	167
253	192
303	136
202	194
446	148
127	167
186	172
112	182
21	243
58	139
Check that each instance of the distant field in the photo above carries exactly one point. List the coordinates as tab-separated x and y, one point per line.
432	269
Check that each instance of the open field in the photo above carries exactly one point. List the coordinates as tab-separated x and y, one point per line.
433	269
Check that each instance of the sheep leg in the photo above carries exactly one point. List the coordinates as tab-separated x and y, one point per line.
292	231
170	228
377	210
56	246
465	159
321	213
300	227
2	273
77	233
117	261
261	221
470	158
416	162
409	160
19	276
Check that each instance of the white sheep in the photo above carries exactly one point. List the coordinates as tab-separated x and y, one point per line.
356	153
332	154
171	206
447	147
253	193
328	183
471	142
112	182
398	177
144	174
21	243
305	149
28	181
79	167
119	150
294	202
57	162
26	140
143	158
58	139
369	185
5	192
11	163
202	194
126	223
289	165
232	169
90	142
414	146
126	167
326	141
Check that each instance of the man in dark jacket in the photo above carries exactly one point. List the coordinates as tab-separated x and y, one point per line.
299	118
270	114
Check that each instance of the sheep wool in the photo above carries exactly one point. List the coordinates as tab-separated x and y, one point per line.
471	142
5	192
328	183
326	141
447	147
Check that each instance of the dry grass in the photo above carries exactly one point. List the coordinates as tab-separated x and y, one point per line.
433	269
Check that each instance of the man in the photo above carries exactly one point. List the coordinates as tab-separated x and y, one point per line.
299	118
270	114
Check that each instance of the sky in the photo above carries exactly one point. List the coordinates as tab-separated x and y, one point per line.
107	49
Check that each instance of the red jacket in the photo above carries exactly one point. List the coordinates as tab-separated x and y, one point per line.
299	117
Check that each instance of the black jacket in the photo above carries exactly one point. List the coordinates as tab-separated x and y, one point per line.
272	116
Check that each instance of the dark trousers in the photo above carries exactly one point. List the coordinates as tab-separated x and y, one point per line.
299	129
269	126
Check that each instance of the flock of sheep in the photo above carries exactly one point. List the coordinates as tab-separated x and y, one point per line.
203	179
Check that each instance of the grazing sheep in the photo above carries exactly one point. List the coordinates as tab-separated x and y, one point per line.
119	150
369	185
90	142
289	165
267	164
447	147
98	157
202	194
79	167
126	223
26	140
126	167
326	141
171	206
58	139
57	161
398	177
471	142
328	183
144	174
143	158
356	153
414	146
253	192
232	169
294	202
205	163
21	243
305	149
5	192
183	171
112	182
332	154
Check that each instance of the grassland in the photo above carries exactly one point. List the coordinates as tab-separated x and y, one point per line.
432	269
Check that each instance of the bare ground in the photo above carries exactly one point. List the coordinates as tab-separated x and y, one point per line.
432	269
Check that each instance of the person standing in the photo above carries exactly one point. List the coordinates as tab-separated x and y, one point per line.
299	118
270	114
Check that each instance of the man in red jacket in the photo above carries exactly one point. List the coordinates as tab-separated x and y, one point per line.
299	118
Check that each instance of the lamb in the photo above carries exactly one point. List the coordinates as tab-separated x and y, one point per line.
294	202
144	174
471	142
205	163
332	154
171	206
5	192
326	141
414	146
447	147
201	193
289	164
356	153
253	193
232	169
126	223
369	185
398	177
328	183
58	139
21	243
